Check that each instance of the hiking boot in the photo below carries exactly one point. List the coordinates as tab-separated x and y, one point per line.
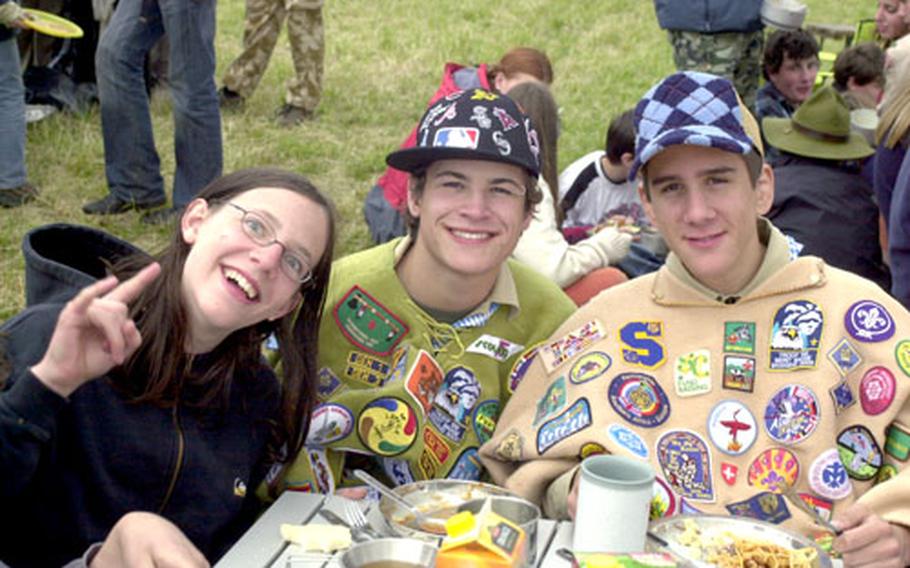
162	216
290	115
230	100
17	196
110	204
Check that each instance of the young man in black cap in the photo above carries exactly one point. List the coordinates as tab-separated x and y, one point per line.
420	333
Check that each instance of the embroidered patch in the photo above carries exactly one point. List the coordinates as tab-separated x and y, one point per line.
845	357
319	463
399	365
739	373
552	401
485	419
456	137
663	500
330	422
792	414
886	472
558	352
897	442
521	366
876	390
368	324
397	470
509	448
640	345
424	379
427	465
859	452
774	469
842	396
902	355
639	399
686	508
686	463
239	487
828	476
589	367
300	486
467	466
454	402
327	383
692	373
591	449
366	369
765	506
739	337
823	507
628	439
436	445
495	347
869	321
575	419
732	427
729	472
387	426
796	333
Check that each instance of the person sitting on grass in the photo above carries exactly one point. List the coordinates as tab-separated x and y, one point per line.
859	75
147	391
735	371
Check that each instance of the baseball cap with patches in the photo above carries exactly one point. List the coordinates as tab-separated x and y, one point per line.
472	125
697	109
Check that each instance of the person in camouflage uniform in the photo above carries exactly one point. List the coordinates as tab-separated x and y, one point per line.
721	37
260	34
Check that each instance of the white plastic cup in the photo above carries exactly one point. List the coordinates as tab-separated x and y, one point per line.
614	502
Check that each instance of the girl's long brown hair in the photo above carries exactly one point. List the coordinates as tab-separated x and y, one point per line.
523	60
162	320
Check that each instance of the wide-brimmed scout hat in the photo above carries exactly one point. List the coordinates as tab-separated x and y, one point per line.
472	125
820	128
695	109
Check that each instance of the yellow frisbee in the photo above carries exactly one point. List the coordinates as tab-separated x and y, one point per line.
51	24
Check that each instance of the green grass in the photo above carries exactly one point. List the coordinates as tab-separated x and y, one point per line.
383	60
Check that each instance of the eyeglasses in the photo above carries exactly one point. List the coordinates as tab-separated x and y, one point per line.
261	232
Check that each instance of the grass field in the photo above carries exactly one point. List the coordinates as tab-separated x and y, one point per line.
383	60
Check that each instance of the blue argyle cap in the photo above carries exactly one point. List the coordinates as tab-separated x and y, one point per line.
692	108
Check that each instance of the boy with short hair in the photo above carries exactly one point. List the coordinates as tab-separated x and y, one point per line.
859	75
736	370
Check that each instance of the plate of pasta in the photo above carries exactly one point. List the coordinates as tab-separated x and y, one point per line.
734	542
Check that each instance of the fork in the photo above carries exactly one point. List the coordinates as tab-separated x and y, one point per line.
358	519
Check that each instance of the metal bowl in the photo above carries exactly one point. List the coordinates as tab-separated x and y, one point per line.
391	552
438	499
520	511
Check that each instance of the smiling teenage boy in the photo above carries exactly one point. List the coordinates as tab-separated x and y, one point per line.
420	334
735	370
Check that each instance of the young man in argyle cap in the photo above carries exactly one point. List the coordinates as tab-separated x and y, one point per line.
420	334
735	370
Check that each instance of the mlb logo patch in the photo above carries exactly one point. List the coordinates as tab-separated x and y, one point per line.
456	137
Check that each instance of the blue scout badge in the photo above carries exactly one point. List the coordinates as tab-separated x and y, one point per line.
589	366
368	324
454	403
327	384
902	355
664	502
329	423
897	441
365	369
485	420
423	380
796	334
739	337
828	476
774	470
845	357
859	452
575	419
397	470
877	390
573	343
729	473
387	426
842	396
521	366
639	399
467	466
869	321
765	506
692	373
739	373
640	344
628	439
552	401
686	463
792	414
732	428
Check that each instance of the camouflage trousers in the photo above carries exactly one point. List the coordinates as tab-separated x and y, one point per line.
734	55
260	33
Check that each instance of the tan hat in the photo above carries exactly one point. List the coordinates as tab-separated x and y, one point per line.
820	128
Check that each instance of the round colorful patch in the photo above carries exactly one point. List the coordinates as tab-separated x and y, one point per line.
859	452
869	321
664	501
902	354
828	476
732	428
330	422
589	367
387	426
876	390
792	414
639	399
485	417
774	470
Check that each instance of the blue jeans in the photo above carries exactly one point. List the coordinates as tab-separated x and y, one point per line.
131	161
12	117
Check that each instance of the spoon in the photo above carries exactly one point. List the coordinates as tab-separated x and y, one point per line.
420	518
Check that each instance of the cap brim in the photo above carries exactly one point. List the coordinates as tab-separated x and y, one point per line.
416	159
780	133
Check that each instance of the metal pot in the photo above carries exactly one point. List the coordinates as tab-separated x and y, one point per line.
391	553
